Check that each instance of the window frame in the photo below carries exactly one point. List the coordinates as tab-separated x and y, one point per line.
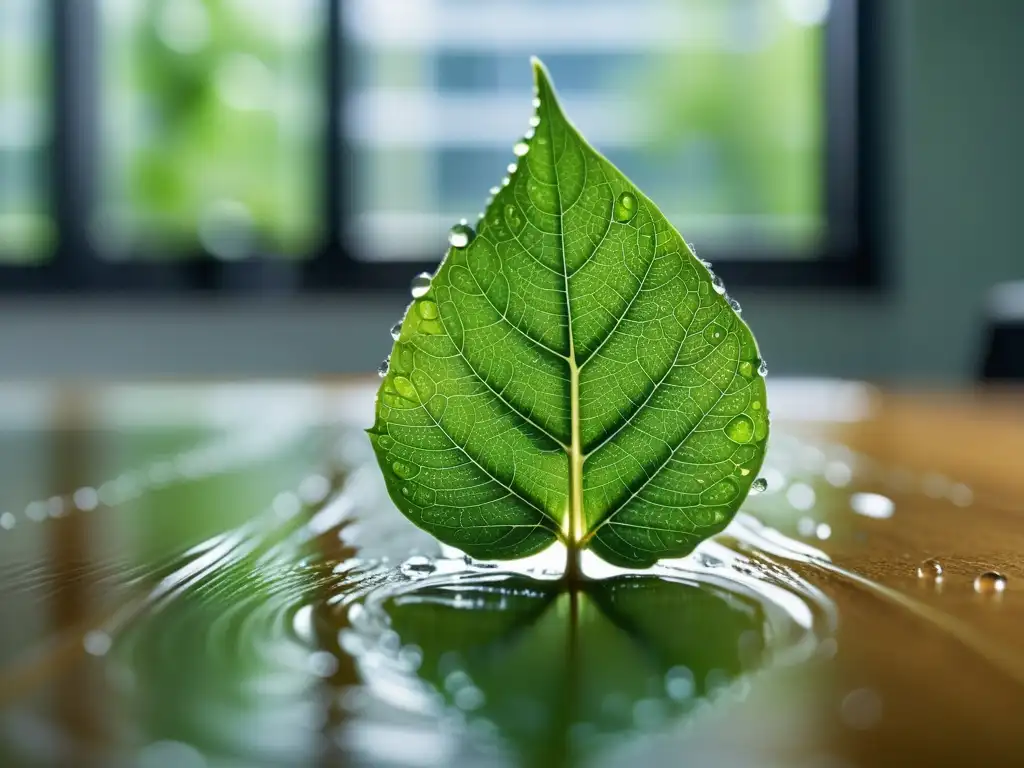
849	259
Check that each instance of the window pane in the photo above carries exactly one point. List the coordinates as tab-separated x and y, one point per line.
26	229
211	127
713	107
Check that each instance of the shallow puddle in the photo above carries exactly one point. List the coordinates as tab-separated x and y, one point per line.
242	592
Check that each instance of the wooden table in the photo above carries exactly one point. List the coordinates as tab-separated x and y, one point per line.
103	489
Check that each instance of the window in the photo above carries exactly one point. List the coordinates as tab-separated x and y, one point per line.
715	108
210	128
26	228
247	145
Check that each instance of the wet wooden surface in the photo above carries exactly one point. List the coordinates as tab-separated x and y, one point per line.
918	671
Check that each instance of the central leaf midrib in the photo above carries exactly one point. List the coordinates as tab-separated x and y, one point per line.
577	521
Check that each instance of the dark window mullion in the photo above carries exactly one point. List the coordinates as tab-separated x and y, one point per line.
75	100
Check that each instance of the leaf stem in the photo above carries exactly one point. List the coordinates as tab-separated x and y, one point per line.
577	525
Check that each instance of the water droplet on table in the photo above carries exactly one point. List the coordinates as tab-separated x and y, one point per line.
873	505
861	709
805	526
801	496
625	207
420	285
930	570
96	642
990	583
460	235
418	565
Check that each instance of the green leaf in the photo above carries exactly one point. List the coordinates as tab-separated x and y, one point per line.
571	373
560	673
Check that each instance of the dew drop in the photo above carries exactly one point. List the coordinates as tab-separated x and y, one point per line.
990	583
534	121
494	190
717	284
520	148
418	565
460	235
384	367
759	485
505	181
762	368
735	306
740	429
396	331
625	207
405	388
405	490
427	310
420	285
512	168
930	570
747	372
536	102
529	134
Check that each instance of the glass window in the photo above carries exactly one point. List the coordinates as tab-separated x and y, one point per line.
26	227
211	125
713	107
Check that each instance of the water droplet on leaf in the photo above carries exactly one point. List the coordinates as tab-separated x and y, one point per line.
404	471
740	429
460	235
625	207
762	368
512	168
717	284
405	388
520	148
735	306
396	331
420	285
385	365
427	310
759	485
534	121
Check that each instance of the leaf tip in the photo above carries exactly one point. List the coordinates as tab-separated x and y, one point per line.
541	78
